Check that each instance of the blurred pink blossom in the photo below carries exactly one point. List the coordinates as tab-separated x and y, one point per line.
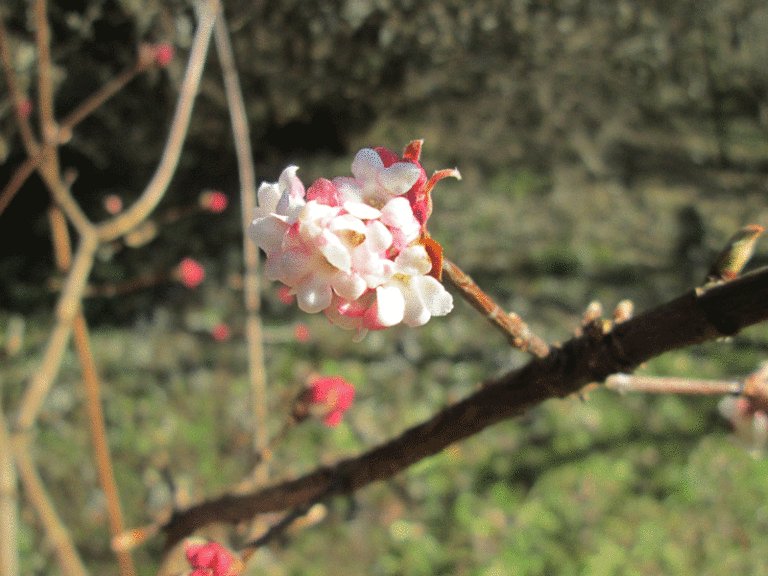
163	54
220	332
25	107
301	333
210	559
113	203
190	273
334	395
214	201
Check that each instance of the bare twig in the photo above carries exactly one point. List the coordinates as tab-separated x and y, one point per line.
44	82
511	325
22	120
99	438
671	385
66	553
696	317
9	505
119	225
256	370
67	306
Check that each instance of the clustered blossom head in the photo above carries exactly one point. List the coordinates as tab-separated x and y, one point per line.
356	248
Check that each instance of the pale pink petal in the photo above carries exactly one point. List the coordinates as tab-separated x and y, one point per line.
367	165
314	294
399	178
435	297
334	251
268	196
362	211
349	286
377	237
388	308
413	261
397	213
349	190
268	233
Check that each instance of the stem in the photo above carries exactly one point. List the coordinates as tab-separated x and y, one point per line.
256	369
70	562
668	385
511	325
9	505
153	193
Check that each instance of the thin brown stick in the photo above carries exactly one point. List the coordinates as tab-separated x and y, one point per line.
99	439
25	127
70	561
9	505
153	193
63	253
696	317
256	369
44	82
67	306
65	130
16	182
510	324
669	385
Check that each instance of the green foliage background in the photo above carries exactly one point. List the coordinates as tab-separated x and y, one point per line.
608	151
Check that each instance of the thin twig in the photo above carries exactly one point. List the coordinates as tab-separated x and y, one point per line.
9	505
670	385
256	369
25	127
511	325
153	193
66	553
48	128
65	130
99	438
67	306
63	253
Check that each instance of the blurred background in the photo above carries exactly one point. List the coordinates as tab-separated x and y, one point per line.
608	148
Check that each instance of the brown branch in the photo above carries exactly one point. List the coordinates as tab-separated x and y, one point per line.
699	316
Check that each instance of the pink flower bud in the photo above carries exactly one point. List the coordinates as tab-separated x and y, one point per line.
210	559
113	203
220	332
25	108
301	333
163	54
190	273
334	395
214	201
286	295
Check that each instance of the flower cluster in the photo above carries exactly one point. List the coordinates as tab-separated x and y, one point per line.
356	248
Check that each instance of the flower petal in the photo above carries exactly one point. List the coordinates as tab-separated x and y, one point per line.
399	178
314	294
